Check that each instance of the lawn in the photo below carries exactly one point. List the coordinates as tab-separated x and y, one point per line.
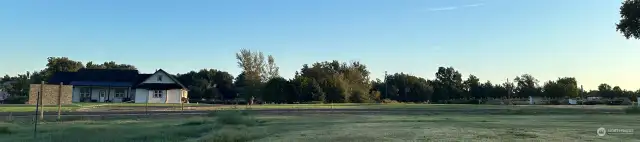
232	126
76	106
32	108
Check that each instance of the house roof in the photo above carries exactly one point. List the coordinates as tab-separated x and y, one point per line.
106	75
142	78
111	77
64	77
159	86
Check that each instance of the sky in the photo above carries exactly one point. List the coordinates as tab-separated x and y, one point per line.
495	40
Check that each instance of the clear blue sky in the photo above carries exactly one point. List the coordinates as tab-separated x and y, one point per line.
492	39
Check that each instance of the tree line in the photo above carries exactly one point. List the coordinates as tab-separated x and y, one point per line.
331	82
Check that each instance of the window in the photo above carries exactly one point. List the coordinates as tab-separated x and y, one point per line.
119	93
85	92
159	78
158	93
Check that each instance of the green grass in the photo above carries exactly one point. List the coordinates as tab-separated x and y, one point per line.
32	108
232	126
75	106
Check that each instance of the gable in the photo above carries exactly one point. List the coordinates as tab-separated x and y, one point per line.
159	77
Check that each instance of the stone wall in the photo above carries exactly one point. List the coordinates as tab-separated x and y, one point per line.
51	94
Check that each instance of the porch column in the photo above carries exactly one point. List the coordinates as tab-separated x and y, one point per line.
90	93
129	93
108	93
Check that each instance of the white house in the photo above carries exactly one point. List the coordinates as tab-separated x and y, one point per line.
116	85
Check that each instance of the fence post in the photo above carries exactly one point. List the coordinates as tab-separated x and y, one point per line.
41	97
182	105
59	100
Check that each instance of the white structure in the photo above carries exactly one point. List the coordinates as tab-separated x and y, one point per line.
115	85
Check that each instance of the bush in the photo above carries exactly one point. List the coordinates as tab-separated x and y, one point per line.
632	110
389	101
5	130
16	100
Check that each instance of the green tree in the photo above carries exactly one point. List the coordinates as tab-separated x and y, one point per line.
448	84
527	85
271	69
629	24
276	90
208	84
605	91
61	64
472	86
253	74
336	90
109	65
563	87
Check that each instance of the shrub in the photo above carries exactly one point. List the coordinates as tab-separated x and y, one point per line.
16	100
389	101
632	110
5	130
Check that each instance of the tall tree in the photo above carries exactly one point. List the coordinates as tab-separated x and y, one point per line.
272	70
61	64
527	85
208	84
472	86
629	24
605	90
253	70
448	84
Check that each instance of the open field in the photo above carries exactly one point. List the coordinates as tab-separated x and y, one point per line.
83	106
32	108
331	126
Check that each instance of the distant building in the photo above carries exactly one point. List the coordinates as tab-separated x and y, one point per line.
115	85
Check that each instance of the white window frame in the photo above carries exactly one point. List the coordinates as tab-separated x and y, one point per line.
158	93
119	93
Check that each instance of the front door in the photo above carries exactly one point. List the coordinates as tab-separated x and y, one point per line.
102	95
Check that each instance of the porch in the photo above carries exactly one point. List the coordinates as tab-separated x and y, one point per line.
102	94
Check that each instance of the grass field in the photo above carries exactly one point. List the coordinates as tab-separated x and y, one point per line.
192	106
76	106
492	125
